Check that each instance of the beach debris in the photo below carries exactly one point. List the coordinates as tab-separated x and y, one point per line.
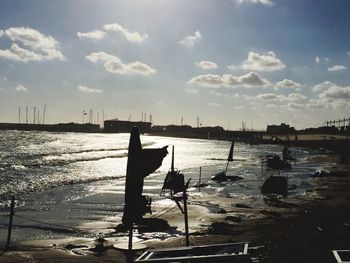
222	177
320	173
275	185
242	206
319	228
274	162
271	213
235	219
74	246
221	211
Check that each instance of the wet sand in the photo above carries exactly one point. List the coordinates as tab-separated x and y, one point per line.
299	229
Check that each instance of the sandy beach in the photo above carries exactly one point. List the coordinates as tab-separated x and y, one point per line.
295	229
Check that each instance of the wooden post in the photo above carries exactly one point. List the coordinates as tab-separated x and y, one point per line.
129	255
12	212
186	219
200	178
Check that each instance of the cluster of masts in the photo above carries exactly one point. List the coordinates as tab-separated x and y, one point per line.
339	123
35	115
91	117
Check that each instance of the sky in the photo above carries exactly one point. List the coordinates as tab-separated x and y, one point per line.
230	61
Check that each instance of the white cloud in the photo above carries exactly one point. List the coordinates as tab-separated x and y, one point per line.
337	105
294	97
317	59
129	35
191	40
213	104
268	96
348	53
114	65
251	79
336	68
295	107
287	83
261	62
271	106
40	47
95	34
191	91
21	88
89	90
204	64
264	2
281	98
239	107
336	93
323	86
317	104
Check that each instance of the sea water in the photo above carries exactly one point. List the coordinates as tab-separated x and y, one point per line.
60	180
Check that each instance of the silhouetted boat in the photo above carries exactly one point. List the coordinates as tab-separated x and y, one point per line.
222	176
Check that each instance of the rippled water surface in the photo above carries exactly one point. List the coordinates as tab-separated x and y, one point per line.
58	176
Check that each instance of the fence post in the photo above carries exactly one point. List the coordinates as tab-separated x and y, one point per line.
12	212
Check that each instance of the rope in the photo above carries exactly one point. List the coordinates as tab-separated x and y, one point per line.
159	213
50	224
167	211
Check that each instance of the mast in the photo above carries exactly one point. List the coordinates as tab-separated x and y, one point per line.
103	118
26	114
19	114
34	115
230	155
44	113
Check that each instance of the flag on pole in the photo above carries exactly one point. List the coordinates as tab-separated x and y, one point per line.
230	156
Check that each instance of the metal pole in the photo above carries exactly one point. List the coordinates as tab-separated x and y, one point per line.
12	212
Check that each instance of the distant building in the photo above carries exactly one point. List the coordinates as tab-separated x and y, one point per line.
280	129
116	125
178	128
321	130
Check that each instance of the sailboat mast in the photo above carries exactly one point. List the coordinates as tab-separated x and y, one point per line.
44	113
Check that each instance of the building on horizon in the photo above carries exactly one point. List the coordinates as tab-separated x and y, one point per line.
280	129
116	125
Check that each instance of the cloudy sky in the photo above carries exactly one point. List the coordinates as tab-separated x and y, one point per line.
228	61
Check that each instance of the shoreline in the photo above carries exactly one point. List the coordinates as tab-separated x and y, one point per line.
276	231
